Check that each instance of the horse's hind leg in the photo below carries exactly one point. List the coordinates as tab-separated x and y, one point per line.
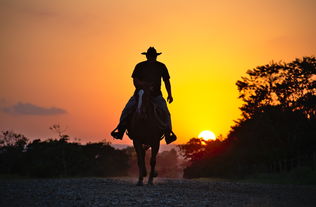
140	161
153	173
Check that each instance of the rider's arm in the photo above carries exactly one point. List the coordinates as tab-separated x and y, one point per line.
168	88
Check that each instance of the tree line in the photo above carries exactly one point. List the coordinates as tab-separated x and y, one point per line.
277	131
59	157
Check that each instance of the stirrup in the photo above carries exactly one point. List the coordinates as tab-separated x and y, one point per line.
118	134
171	137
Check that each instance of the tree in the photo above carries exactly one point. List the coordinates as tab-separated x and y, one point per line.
193	149
277	131
57	128
12	139
291	86
12	146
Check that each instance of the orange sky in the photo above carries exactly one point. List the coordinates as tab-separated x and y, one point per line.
78	56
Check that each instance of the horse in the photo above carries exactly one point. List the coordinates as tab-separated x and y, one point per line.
146	131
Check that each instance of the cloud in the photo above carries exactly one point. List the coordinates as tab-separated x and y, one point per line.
31	109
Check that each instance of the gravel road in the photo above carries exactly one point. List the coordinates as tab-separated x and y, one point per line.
165	192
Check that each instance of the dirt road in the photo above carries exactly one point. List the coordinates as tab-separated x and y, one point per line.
165	192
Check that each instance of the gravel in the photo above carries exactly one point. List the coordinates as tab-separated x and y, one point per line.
166	192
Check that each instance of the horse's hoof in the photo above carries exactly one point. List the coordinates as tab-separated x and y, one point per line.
140	183
150	182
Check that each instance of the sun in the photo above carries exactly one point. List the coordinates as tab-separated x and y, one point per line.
207	135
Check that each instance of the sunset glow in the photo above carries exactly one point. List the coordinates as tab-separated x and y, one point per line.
207	135
70	62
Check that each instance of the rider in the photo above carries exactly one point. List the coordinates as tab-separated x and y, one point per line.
149	73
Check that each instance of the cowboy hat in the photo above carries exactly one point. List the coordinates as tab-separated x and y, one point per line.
151	51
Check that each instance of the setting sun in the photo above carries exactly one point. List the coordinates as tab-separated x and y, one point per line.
207	135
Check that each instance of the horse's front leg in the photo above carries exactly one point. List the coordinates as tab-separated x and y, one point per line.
140	161
153	173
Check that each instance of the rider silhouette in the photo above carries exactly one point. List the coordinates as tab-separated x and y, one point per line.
149	73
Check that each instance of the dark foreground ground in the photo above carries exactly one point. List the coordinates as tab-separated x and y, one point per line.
166	192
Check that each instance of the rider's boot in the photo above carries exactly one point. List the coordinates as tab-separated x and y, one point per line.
118	132
170	136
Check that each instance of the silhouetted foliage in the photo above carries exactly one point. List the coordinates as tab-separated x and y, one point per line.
277	132
12	146
59	158
290	86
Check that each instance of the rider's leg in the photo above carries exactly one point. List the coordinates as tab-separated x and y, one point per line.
169	135
118	132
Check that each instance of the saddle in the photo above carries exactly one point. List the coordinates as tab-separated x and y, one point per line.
159	115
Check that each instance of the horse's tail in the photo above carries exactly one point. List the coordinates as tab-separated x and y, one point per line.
140	100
